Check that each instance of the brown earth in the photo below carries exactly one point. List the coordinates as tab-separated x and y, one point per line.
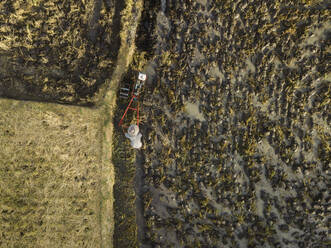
237	142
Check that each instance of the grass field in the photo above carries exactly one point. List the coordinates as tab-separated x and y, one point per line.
50	173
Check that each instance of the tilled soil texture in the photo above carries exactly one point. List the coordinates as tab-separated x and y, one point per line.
237	142
58	51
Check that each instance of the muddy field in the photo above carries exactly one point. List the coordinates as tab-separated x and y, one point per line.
237	135
60	51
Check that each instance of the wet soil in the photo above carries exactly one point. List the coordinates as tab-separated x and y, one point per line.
139	190
253	170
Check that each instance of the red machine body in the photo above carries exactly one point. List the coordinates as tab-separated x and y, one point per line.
134	97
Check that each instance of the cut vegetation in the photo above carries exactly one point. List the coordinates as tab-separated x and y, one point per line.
60	51
56	171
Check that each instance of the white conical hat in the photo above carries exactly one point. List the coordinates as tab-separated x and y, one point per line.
133	130
142	76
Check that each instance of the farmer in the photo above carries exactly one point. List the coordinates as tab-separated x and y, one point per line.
134	136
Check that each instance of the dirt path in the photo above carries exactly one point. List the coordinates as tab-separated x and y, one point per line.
129	27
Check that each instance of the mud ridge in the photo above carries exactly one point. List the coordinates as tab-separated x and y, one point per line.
139	190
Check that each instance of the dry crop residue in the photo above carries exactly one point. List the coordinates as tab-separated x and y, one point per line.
256	172
56	175
60	51
49	175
